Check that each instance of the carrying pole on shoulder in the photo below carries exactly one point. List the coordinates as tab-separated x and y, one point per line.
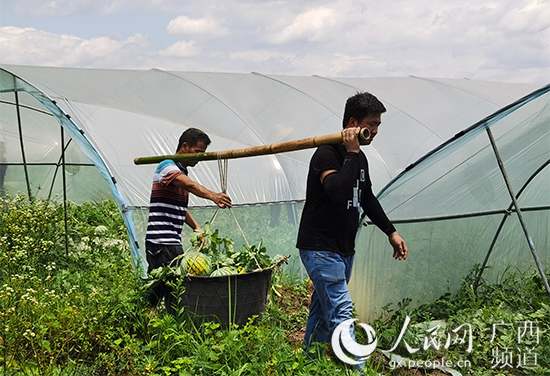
306	143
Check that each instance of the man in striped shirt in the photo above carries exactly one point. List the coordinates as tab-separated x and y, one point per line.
168	206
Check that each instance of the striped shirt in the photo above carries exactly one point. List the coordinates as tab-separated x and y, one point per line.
168	205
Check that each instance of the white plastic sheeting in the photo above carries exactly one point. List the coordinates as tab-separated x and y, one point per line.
455	210
113	116
126	114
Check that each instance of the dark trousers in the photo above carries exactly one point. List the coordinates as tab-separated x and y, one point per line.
160	255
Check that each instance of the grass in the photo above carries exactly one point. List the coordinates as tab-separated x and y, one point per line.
82	312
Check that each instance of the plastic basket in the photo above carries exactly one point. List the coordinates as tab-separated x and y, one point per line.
232	299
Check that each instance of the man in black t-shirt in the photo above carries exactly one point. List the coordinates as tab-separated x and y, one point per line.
338	187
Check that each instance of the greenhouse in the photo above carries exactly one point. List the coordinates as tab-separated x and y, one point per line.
451	161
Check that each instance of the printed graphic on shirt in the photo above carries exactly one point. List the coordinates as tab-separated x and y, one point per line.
355	202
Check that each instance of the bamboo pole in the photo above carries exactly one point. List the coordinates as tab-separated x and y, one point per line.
306	143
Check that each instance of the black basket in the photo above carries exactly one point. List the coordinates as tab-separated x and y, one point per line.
232	299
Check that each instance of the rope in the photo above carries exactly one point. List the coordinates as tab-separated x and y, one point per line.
240	229
222	168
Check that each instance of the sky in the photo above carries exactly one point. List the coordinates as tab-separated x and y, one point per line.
499	40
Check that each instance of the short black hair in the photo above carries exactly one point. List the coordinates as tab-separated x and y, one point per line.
360	106
192	136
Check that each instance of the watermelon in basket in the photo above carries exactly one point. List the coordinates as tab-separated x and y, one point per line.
197	263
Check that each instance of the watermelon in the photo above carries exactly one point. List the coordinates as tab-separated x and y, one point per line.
101	230
224	270
198	263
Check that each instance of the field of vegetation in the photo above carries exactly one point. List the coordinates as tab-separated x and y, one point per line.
80	311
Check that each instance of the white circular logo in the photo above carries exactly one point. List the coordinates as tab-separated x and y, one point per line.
342	340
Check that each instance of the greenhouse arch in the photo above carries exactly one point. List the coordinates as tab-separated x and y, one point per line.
64	153
72	134
531	116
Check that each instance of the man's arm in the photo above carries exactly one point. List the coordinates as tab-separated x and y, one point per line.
221	199
374	210
336	182
191	222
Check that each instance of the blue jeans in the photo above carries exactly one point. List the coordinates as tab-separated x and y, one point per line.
331	301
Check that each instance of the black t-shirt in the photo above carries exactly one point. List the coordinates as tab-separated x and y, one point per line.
330	222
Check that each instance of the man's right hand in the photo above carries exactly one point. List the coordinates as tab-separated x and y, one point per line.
350	138
222	200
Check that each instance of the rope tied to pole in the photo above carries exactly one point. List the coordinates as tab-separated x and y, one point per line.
223	165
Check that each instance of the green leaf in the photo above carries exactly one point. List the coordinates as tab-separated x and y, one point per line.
45	344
